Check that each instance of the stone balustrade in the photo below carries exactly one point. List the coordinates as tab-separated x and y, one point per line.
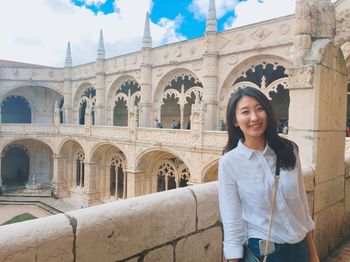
175	225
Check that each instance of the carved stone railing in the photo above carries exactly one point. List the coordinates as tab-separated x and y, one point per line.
211	140
176	225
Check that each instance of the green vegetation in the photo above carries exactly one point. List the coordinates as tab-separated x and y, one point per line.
20	218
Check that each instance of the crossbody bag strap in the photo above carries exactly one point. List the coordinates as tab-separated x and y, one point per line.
277	176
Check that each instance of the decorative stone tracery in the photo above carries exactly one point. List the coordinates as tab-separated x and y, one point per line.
172	173
118	176
80	169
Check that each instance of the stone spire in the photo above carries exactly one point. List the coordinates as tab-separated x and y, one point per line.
147	39
68	62
101	47
211	18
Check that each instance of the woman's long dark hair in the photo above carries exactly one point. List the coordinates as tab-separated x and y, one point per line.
283	148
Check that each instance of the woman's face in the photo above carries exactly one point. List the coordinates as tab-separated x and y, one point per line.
251	118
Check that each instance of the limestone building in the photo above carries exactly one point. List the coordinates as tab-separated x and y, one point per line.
88	131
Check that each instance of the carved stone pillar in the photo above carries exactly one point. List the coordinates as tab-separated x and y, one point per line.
59	186
145	103
317	117
134	181
100	107
210	61
1	186
67	94
91	194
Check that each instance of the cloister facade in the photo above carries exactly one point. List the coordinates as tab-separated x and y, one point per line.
87	131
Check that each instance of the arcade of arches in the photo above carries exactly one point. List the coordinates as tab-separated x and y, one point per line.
88	131
108	165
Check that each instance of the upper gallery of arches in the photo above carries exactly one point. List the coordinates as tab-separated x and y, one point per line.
174	97
124	94
268	74
29	104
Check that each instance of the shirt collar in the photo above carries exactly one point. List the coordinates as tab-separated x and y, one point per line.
248	152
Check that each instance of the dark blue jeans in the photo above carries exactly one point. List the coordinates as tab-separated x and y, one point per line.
298	252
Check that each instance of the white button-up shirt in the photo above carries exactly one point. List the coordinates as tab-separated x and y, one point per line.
246	180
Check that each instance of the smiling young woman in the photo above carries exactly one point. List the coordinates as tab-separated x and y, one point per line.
261	192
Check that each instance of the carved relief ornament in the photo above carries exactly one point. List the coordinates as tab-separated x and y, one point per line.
301	78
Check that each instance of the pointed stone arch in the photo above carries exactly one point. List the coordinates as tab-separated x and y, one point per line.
39	102
174	96
124	95
84	103
108	168
26	161
72	158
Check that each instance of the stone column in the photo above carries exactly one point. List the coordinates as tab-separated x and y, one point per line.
317	117
134	181
145	103
91	195
67	94
59	186
210	65
100	106
1	187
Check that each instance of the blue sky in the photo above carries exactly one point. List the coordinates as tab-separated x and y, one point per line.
41	35
190	27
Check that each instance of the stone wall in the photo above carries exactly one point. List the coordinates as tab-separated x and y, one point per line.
176	225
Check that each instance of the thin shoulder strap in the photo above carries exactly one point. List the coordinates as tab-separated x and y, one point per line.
273	204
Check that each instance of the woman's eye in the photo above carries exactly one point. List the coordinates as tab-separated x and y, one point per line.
244	112
260	109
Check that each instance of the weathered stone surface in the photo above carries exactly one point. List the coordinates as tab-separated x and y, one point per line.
308	176
163	254
45	239
331	221
207	204
328	193
122	229
203	246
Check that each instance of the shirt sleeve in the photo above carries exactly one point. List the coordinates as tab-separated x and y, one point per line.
309	222
231	213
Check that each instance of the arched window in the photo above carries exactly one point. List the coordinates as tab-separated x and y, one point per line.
80	169
172	174
271	79
87	105
117	177
177	100
127	96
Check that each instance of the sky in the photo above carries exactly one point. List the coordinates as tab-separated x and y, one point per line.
38	31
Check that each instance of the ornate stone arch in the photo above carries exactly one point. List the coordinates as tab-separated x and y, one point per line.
177	90
272	72
68	140
125	89
18	140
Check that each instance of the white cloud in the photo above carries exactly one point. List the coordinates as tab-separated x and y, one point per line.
40	35
95	2
200	8
252	11
170	27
